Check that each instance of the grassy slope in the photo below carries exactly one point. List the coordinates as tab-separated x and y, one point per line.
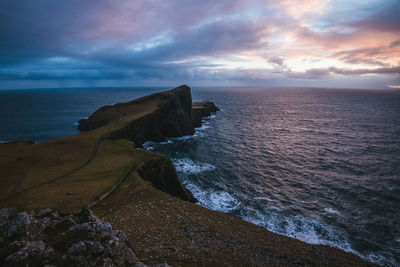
68	173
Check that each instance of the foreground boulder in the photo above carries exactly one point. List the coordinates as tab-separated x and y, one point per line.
47	237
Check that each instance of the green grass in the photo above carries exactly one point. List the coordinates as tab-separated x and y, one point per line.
68	173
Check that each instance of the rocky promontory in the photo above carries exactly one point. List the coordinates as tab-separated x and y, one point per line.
137	191
174	115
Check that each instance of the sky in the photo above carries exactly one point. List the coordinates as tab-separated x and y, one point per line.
256	43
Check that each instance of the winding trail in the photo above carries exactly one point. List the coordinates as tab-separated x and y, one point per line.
106	194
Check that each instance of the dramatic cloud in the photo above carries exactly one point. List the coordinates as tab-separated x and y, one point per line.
227	42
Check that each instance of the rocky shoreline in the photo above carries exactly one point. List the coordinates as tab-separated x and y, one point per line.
137	191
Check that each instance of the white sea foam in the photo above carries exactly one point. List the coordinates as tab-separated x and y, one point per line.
314	232
203	127
332	211
149	145
386	260
263	198
189	166
214	200
165	142
299	227
76	123
310	231
182	138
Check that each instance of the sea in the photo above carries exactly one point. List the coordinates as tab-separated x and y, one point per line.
319	165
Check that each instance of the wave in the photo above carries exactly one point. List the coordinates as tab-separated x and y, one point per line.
310	231
332	211
214	200
150	145
298	227
189	166
203	127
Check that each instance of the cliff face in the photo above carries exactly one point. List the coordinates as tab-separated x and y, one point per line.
172	117
161	173
170	114
202	109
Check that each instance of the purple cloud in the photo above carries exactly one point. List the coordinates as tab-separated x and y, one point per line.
189	41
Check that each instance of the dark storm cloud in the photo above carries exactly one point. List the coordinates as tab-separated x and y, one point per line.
44	28
99	33
58	40
186	40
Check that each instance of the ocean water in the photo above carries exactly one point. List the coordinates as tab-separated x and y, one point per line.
319	165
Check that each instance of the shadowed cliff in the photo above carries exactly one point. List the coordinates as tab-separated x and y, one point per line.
175	115
139	192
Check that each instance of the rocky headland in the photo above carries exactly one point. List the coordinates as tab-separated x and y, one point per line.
136	191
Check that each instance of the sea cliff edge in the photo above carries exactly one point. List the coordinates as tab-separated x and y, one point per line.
137	191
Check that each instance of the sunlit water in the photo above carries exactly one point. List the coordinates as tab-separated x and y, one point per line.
319	165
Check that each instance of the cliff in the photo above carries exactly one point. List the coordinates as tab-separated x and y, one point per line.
174	115
139	192
202	109
161	173
170	118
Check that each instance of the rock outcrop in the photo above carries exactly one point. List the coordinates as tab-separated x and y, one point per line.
172	117
50	238
201	110
161	173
